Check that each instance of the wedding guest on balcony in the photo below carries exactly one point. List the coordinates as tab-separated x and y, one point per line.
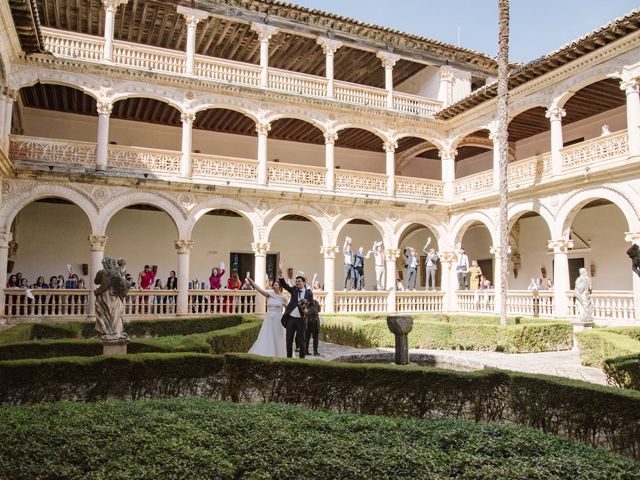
246	301
533	285
349	270
170	300
289	278
233	283
172	281
474	275
61	282
53	299
19	278
146	279
463	270
40	300
378	256
399	285
157	306
412	260
549	284
215	283
542	286
13	282
431	265
358	268
27	299
484	283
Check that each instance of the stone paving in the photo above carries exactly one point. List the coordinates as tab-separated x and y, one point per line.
562	364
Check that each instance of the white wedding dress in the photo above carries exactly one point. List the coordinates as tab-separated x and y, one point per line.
271	341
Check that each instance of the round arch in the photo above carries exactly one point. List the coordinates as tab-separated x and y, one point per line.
144	198
224	106
574	203
316	217
428	222
376	131
594	75
519	209
20	200
161	98
345	220
463	223
236	206
298	116
435	140
53	77
455	143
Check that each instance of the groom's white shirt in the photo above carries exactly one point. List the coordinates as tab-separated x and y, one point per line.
296	312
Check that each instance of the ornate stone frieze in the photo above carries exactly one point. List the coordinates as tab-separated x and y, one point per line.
329	251
560	246
98	242
261	248
184	246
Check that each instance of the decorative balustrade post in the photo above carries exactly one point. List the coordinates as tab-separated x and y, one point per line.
388	61
448	281
555	114
445	92
631	88
187	139
110	8
260	254
329	48
391	255
496	251
448	158
390	149
560	276
5	240
184	251
263	131
329	252
634	237
329	158
264	35
192	18
97	243
102	153
7	99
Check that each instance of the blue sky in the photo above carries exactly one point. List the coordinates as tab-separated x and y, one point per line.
537	26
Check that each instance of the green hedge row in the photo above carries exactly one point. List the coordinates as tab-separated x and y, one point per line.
203	439
526	337
237	337
599	416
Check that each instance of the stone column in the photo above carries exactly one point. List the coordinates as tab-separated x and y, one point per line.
448	158
329	48
263	172
555	114
496	251
97	243
391	255
388	61
7	99
102	149
448	281
260	254
630	87
184	250
192	18
5	240
187	138
390	148
560	276
264	35
634	237
110	8
329	160
329	253
445	92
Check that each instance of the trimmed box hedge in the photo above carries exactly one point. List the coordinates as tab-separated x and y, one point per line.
203	439
542	336
599	416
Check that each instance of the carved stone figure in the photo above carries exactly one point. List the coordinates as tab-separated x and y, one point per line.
583	296
634	255
111	291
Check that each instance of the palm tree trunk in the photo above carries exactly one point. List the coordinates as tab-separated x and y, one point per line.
503	146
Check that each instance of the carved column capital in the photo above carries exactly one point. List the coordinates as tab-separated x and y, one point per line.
184	246
8	95
329	251
191	15
329	46
555	113
260	248
447	153
263	128
112	5
392	253
447	256
633	237
104	108
496	250
390	145
265	32
5	239
446	74
630	86
188	118
388	59
560	246
98	242
330	137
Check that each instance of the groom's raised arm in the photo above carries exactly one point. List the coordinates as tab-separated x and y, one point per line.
285	285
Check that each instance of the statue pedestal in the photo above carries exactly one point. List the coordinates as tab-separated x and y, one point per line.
115	347
400	326
580	326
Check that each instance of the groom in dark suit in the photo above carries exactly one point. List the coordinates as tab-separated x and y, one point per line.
293	319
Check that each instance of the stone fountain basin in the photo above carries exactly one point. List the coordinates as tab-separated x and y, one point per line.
448	362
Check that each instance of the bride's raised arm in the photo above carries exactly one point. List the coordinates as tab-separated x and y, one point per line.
257	287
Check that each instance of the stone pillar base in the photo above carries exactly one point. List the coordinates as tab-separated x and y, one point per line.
580	327
115	347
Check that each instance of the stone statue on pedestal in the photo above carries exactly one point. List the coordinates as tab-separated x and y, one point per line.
112	290
582	293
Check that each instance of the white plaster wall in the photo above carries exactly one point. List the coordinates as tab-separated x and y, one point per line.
425	83
422	168
461	84
69	126
476	164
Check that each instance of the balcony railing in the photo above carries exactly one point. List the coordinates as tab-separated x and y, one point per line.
586	153
298	175
136	56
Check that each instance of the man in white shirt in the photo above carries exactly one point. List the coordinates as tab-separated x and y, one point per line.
412	260
379	259
463	270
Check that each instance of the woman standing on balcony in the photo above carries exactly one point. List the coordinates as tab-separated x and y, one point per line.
474	275
215	283
40	299
53	299
233	283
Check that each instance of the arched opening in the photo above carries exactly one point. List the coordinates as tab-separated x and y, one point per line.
476	241
220	131
359	150
597	229
49	241
295	141
363	234
530	258
416	157
529	134
474	154
295	242
422	239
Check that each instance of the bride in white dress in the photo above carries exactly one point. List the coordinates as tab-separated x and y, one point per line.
271	339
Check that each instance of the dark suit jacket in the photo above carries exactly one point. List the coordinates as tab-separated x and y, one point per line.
293	301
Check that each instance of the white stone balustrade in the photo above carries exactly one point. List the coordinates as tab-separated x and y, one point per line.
419	187
473	185
299	175
587	153
299	83
143	159
360	302
215	166
608	306
215	302
419	302
353	181
49	151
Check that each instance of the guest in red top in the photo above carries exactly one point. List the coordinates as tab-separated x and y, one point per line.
233	283
215	283
146	279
